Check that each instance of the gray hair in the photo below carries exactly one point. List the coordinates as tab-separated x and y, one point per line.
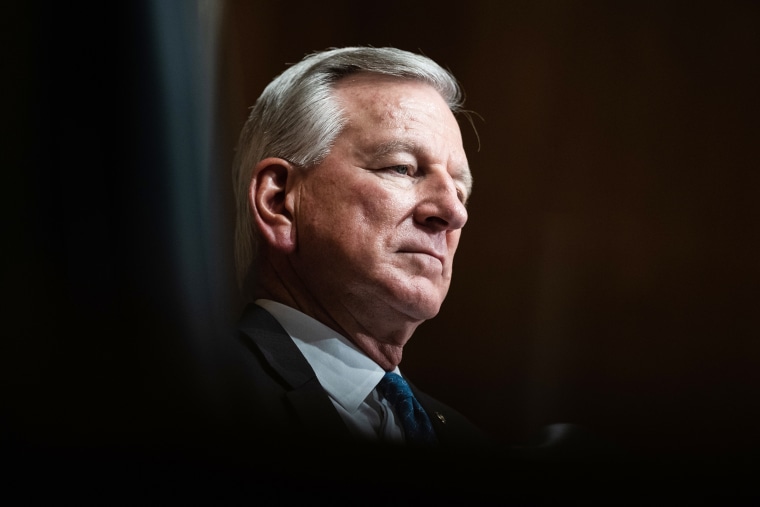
297	119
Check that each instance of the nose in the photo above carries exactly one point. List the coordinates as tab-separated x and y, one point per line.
440	207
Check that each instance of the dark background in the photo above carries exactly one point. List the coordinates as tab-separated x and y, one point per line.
608	275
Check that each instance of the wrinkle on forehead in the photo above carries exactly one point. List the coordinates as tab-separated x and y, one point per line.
371	90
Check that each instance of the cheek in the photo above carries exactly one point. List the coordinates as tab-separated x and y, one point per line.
354	208
375	207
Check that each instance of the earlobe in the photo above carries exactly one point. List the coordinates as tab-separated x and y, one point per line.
271	183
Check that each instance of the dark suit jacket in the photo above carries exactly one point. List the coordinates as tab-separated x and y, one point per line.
272	388
272	432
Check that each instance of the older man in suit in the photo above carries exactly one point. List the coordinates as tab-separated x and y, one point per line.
351	183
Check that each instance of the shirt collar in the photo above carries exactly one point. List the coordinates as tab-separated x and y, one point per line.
343	370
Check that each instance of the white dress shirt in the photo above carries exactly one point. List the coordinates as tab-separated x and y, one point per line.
344	371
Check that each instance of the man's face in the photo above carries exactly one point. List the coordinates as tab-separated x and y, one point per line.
378	221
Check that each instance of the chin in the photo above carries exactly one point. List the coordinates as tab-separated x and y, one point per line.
422	309
419	302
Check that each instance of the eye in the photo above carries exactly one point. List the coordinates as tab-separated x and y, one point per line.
400	169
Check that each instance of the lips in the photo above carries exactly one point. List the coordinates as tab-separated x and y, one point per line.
433	245
425	251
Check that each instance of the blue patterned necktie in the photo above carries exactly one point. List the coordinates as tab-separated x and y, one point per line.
417	427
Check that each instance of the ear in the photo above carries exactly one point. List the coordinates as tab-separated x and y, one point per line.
271	202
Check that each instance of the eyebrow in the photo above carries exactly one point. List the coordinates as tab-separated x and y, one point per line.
461	173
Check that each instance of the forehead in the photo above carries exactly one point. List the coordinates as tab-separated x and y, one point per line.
388	97
386	114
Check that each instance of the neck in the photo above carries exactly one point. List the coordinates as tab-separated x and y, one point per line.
381	337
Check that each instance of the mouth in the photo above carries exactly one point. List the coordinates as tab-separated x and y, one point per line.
429	253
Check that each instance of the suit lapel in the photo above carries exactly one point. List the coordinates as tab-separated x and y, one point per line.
302	389
435	410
